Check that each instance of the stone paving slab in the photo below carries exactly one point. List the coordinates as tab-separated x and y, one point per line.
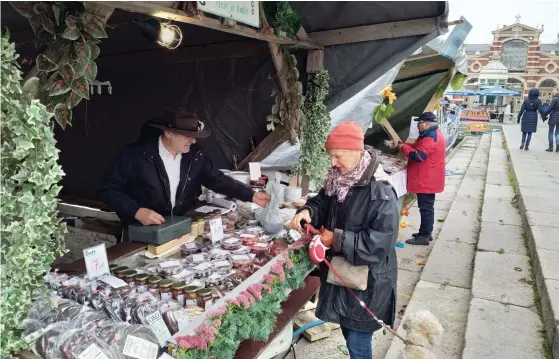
502	332
543	219
546	238
541	206
534	192
498	192
496	237
450	263
496	211
497	177
450	308
471	186
503	278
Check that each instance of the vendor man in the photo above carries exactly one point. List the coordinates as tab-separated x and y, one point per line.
163	175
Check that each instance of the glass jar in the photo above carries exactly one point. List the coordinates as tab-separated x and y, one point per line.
191	295
117	272
178	292
153	285
165	289
141	282
128	275
205	298
112	267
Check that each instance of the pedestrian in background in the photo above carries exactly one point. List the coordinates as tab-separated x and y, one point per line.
426	173
553	114
529	116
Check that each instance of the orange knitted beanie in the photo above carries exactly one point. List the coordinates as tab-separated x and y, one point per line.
346	136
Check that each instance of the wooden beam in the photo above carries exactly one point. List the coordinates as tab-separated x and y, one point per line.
163	12
264	148
279	63
389	30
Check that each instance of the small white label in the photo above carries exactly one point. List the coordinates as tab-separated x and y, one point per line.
158	327
140	348
254	169
191	246
261	245
168	264
142	288
112	281
191	302
208	304
197	258
202	266
221	264
216	230
240	257
246	235
182	318
96	262
180	299
255	229
165	356
92	352
166	296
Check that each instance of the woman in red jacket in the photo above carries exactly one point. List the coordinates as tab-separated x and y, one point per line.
426	173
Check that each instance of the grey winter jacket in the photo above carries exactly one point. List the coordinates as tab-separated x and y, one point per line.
553	111
365	227
529	111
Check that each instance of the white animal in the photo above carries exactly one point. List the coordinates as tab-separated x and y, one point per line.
423	331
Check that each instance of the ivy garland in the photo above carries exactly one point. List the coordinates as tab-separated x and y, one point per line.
30	229
287	107
252	315
457	81
285	20
314	128
67	37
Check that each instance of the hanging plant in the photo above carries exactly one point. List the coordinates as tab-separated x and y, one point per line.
67	38
457	81
30	229
385	109
314	128
287	107
284	19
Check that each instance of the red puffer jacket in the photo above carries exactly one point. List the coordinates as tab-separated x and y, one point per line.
426	162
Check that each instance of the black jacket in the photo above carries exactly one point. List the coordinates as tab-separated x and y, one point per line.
366	229
138	179
529	111
553	111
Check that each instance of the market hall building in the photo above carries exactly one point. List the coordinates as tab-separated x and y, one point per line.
516	59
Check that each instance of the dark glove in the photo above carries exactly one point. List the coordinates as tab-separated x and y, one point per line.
518	121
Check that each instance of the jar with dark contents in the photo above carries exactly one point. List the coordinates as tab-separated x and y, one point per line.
191	296
141	283
112	267
153	285
205	298
128	275
178	292
165	289
117	272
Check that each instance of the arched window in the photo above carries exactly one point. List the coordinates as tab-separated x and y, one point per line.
515	55
548	83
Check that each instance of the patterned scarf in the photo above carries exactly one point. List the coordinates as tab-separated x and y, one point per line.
339	185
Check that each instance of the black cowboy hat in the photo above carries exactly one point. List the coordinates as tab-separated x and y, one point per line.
181	120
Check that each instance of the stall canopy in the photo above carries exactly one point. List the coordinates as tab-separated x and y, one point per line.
498	91
225	77
461	92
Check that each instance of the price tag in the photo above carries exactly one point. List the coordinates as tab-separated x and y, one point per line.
92	352
167	264
182	318
261	245
140	348
158	327
254	169
112	281
197	258
191	246
216	230
240	257
252	236
96	262
165	356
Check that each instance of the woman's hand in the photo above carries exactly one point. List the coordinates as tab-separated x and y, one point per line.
304	215
327	237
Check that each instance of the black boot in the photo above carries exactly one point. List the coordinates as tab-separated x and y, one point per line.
420	240
522	146
557	147
550	149
526	147
415	235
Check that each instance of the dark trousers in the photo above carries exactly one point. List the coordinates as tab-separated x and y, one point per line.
526	137
359	344
553	129
426	204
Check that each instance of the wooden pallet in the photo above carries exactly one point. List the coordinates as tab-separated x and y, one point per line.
313	334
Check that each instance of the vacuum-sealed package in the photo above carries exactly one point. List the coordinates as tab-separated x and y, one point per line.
270	217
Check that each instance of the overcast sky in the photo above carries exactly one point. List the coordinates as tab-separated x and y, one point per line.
486	15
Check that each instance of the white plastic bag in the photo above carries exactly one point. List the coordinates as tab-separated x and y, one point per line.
270	217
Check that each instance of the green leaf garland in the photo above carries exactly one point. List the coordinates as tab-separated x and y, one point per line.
30	228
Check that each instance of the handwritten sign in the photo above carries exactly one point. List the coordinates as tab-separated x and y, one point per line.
96	262
414	130
216	230
254	169
242	11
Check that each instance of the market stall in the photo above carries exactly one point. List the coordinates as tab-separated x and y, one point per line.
201	56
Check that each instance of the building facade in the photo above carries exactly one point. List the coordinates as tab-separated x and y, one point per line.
515	59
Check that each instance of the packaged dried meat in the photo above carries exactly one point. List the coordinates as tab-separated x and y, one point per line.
231	243
84	344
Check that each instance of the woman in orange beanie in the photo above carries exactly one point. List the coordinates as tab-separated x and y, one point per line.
359	217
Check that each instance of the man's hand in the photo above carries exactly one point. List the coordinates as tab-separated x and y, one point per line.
327	237
261	199
400	145
147	216
304	215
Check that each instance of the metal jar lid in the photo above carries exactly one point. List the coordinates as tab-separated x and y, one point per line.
154	279
165	283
